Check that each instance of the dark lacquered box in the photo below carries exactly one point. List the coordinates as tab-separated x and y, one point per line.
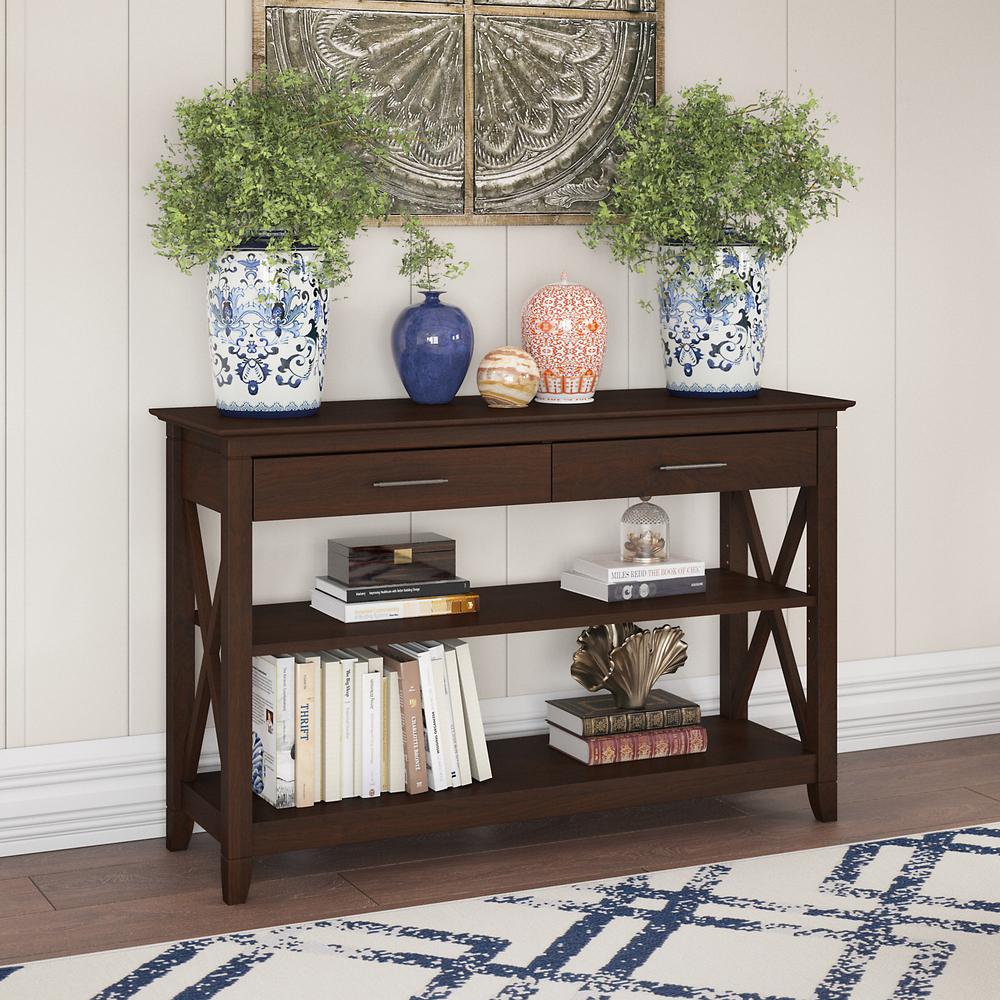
370	560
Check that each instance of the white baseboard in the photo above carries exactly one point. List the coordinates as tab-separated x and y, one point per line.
110	791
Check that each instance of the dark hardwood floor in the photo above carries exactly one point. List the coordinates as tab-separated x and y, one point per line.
113	896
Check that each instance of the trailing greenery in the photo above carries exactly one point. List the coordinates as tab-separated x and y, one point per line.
425	260
277	157
702	173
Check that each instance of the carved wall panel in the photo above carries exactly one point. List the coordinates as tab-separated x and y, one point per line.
513	110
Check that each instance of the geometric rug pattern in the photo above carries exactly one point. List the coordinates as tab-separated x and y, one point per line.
914	916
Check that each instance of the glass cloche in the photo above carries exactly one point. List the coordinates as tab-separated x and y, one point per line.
645	533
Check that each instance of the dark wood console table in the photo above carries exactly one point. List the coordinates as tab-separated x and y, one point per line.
349	458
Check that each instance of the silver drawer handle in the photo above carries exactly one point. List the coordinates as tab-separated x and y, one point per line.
696	465
414	482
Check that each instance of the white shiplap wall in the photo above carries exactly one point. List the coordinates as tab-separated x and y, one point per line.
98	330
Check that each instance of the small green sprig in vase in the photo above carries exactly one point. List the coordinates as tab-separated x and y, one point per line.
431	342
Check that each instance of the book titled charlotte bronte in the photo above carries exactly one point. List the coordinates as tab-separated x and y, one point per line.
630	746
597	715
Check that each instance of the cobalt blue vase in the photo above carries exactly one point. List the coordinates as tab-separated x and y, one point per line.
432	346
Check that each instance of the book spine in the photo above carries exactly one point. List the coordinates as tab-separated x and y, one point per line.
642	589
640	722
390	592
397	763
348	677
376	611
664	571
384	732
371	735
284	728
317	737
332	685
438	776
457	716
305	754
414	740
640	746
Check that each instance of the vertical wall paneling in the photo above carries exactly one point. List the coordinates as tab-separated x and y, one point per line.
3	388
175	49
74	371
841	297
947	410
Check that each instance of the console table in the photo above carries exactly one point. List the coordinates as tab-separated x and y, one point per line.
367	456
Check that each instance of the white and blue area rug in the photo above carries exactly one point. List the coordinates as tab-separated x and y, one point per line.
910	917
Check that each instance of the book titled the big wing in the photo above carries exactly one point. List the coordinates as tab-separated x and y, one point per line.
273	721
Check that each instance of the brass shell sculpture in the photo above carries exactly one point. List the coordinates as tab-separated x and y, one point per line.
627	660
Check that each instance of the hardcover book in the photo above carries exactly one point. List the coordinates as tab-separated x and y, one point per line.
630	746
305	731
479	758
438	774
331	685
405	666
273	729
391	591
597	714
376	611
416	558
634	590
612	569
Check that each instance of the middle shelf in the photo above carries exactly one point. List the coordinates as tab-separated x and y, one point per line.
520	607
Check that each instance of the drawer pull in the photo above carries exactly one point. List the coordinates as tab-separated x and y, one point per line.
696	465
413	482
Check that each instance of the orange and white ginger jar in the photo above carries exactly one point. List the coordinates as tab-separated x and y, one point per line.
564	327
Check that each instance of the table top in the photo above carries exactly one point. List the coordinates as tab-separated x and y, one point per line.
352	415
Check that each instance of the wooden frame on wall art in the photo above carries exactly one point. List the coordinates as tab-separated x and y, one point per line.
514	106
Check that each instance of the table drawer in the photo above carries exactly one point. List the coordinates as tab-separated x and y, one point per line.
437	479
706	464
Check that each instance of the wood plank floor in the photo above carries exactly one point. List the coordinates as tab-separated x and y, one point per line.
91	899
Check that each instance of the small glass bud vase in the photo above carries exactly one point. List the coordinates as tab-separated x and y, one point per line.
645	533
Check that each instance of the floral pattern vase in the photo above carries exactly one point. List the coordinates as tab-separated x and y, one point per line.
564	327
715	350
268	342
432	346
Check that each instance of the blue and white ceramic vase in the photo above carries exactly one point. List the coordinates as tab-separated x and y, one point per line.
432	346
715	349
267	337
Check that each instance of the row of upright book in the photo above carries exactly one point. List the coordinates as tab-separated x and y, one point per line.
364	721
593	730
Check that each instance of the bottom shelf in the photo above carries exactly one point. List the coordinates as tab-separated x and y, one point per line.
530	781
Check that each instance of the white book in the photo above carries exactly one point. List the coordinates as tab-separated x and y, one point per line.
610	568
397	763
449	739
458	715
273	729
367	661
377	611
476	732
306	670
314	662
371	735
349	678
438	777
331	696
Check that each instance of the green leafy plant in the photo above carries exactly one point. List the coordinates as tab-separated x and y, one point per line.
702	173
274	157
425	260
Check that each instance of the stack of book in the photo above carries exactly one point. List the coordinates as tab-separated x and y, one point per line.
359	722
608	578
376	578
594	730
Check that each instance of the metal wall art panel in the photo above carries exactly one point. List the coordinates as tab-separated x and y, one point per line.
514	108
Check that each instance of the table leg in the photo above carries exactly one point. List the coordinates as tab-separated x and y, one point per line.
821	628
180	649
237	625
